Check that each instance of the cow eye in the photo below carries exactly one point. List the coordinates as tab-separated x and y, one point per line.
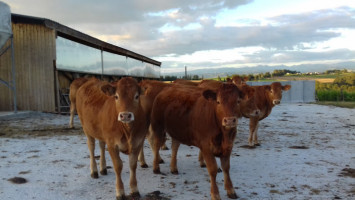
136	97
116	97
218	102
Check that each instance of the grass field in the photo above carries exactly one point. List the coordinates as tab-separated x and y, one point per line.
342	104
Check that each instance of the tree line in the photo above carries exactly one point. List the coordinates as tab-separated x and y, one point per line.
342	89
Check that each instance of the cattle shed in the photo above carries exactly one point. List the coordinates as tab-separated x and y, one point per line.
47	56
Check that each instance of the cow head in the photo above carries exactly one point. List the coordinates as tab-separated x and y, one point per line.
248	105
227	99
237	80
275	92
127	98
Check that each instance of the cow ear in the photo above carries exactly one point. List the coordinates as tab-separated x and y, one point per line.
209	94
108	89
286	87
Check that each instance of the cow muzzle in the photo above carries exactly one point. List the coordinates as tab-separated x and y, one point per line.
126	117
276	101
230	122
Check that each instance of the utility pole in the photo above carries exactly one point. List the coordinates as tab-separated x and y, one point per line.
185	72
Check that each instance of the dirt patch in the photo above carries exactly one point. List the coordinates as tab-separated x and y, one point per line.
17	180
247	147
298	147
349	172
156	195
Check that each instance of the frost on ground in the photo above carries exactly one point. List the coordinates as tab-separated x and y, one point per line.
306	152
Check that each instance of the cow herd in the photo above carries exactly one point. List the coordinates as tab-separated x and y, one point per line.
123	113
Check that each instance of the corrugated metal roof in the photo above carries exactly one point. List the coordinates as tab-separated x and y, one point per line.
77	36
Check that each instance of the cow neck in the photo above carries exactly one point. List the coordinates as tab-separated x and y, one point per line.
269	105
228	140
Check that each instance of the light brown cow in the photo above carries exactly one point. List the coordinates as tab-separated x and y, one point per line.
202	118
118	120
266	97
74	86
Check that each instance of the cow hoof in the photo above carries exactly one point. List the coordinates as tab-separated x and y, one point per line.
144	166
164	148
219	170
103	172
258	145
176	172
161	161
156	171
203	166
233	196
135	196
123	197
95	175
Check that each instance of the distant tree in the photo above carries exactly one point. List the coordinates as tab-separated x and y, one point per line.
267	75
283	72
348	80
195	77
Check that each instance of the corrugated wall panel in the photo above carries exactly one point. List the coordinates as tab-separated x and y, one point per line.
34	54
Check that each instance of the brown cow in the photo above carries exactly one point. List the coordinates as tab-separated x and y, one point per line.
74	86
118	120
237	80
185	82
151	89
266	97
248	106
202	118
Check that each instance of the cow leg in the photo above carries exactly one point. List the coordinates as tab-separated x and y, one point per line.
133	157
201	160
253	123
212	170
174	149
141	158
93	166
72	113
156	142
255	139
103	169
151	143
117	165
228	185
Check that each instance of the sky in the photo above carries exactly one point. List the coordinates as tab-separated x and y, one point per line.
212	33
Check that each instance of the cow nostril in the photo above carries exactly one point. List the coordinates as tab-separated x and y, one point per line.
121	116
129	116
225	120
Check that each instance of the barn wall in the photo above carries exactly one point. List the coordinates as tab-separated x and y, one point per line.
34	47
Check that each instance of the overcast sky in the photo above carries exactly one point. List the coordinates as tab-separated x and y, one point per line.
212	33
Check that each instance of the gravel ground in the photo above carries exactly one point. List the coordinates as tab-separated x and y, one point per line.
306	152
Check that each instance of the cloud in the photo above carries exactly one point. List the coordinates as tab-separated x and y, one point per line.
184	31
